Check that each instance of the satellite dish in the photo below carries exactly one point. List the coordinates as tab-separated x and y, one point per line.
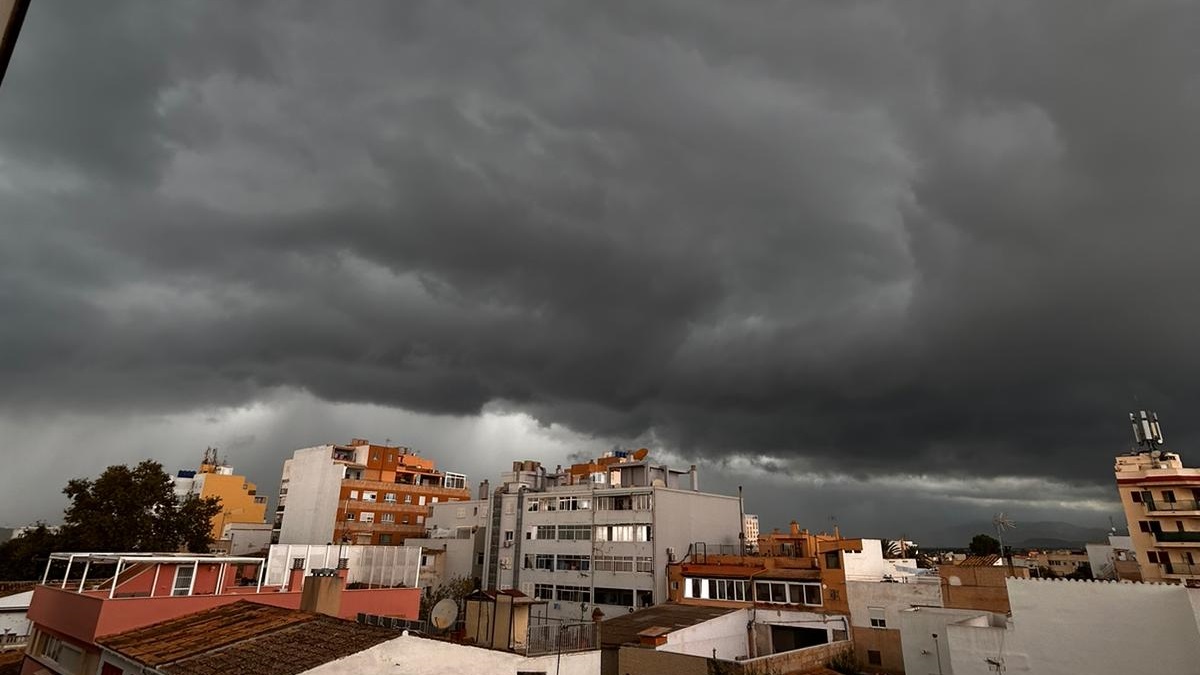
444	614
641	454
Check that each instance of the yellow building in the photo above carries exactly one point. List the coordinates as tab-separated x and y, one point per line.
240	501
1160	496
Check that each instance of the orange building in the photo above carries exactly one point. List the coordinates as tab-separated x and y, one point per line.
240	501
361	493
797	570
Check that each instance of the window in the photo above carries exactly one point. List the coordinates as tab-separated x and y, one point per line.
624	533
349	515
420	519
183	580
877	617
508	535
833	561
545	532
1137	497
635	502
543	591
421	500
407	499
572	532
1144	525
573	594
387	517
614	596
368	496
573	503
432	501
354	494
390	497
1169	496
787	593
366	517
425	560
533	505
573	563
1152	556
67	656
694	588
543	561
385	539
874	658
717	589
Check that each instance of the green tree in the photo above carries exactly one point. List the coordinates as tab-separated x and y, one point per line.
455	589
134	509
24	558
985	544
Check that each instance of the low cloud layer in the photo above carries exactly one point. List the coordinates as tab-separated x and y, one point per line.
945	240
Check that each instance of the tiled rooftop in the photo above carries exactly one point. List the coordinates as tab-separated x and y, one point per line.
979	561
244	637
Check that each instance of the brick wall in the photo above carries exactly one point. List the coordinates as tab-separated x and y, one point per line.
645	661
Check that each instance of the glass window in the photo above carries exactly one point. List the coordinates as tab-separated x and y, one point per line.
183	580
833	561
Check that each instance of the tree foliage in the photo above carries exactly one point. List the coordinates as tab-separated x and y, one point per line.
456	589
24	558
985	544
123	509
134	509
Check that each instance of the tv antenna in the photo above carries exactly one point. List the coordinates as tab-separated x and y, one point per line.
1146	431
1002	523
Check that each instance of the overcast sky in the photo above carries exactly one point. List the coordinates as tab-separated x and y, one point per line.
899	264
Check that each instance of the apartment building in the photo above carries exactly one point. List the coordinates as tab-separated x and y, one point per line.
360	493
750	531
594	536
240	501
1161	499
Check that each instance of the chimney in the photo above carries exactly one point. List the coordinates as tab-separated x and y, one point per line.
695	479
795	529
322	592
485	489
296	574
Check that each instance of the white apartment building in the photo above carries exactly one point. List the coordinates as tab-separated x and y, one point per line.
750	528
597	535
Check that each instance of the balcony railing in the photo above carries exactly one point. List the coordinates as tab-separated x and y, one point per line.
1177	537
555	638
12	641
1182	569
1171	507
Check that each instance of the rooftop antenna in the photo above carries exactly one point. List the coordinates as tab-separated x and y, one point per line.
1003	523
1146	432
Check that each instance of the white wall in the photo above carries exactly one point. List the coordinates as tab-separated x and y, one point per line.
1062	627
921	650
892	597
683	517
422	656
12	613
314	486
247	538
726	634
870	565
386	565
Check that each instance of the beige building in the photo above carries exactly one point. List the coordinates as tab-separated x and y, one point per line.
1160	499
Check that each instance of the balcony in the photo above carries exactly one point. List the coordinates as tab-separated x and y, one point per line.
1183	505
555	638
1176	569
1186	538
403	488
12	641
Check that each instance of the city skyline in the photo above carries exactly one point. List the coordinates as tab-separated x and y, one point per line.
891	266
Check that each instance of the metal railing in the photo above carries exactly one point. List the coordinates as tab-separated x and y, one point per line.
1181	568
1177	537
1181	505
12	641
554	638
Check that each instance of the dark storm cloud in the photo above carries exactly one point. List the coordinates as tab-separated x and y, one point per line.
954	238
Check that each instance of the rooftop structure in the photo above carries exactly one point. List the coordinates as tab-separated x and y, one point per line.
240	501
360	493
86	596
1161	499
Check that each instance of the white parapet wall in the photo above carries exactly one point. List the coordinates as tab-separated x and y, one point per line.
1062	627
424	656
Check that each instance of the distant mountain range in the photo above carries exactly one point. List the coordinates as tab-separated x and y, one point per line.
1035	534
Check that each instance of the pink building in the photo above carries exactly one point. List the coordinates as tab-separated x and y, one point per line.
91	595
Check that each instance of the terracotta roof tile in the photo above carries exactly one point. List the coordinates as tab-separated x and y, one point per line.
979	561
197	633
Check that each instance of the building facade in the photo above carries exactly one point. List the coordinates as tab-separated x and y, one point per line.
596	535
360	493
1160	498
750	530
240	501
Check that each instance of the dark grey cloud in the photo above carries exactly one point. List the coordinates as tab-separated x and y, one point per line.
943	239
